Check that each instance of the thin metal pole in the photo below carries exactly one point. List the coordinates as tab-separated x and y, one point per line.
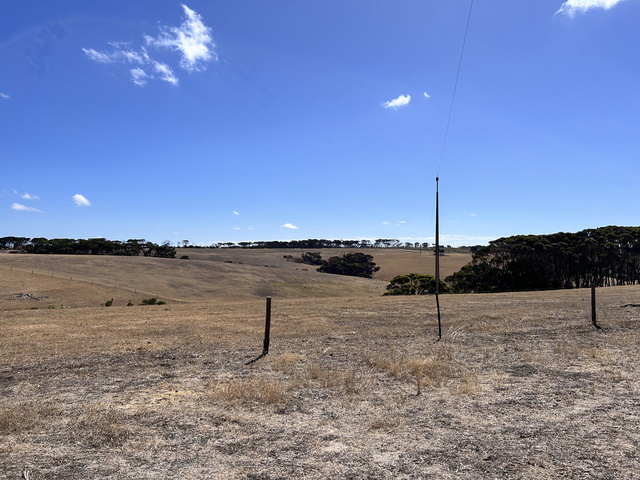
438	259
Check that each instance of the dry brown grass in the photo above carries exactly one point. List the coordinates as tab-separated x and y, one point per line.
521	386
88	281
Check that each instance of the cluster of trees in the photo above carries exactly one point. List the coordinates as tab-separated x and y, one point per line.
308	258
353	264
319	243
415	284
91	246
593	257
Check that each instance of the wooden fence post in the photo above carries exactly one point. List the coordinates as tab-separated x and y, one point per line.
267	328
593	307
267	333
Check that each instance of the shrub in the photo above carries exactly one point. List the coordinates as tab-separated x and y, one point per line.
415	284
353	264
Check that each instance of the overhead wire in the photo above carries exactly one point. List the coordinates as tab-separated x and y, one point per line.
455	88
453	98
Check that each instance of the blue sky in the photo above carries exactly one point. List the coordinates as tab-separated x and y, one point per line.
219	121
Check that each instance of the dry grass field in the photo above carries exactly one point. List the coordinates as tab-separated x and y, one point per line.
521	385
209	275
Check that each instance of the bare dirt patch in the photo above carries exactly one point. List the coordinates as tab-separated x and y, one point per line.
521	386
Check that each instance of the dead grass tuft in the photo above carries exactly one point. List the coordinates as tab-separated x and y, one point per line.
286	362
251	390
18	417
102	425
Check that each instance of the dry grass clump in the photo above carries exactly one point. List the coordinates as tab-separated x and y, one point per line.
286	362
250	390
102	425
17	417
438	368
317	376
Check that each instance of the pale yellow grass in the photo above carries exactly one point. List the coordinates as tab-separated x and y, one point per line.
209	275
520	386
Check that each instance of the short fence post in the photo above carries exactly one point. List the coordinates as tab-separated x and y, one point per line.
267	332
593	307
267	327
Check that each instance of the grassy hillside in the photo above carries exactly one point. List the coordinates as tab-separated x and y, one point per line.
209	275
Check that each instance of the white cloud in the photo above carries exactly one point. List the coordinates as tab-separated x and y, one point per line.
571	7
23	208
26	196
386	223
401	101
165	72
81	200
192	38
426	95
140	76
237	228
235	213
135	57
99	56
289	225
5	96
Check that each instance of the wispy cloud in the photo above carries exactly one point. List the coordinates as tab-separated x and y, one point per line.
397	224
139	76
396	103
5	96
426	95
571	7
81	200
192	39
24	208
235	213
289	225
165	73
99	56
27	196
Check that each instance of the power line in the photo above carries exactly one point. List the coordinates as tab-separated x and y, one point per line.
455	88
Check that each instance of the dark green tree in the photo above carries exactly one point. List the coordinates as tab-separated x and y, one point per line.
353	264
415	284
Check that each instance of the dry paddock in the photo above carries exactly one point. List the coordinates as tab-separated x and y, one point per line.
521	386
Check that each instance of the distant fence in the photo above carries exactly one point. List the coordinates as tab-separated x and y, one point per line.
135	291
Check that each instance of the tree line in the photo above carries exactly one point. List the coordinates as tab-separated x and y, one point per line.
91	246
314	243
597	257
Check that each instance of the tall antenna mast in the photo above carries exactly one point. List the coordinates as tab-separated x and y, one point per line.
438	261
